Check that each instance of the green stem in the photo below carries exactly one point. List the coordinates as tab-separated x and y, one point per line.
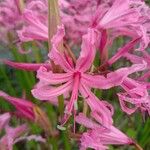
53	19
61	104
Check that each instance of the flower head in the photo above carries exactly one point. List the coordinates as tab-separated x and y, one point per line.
97	136
77	76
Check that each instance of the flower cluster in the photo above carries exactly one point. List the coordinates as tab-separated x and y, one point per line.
93	27
14	135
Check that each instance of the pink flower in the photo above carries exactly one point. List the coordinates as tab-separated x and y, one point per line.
14	135
123	15
10	15
136	100
76	77
97	136
77	16
131	20
11	134
136	90
8	140
28	110
35	29
24	107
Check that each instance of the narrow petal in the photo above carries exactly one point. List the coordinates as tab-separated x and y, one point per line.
46	92
96	105
117	137
114	136
73	99
88	51
90	141
53	78
136	95
133	58
27	66
113	79
56	54
82	119
121	51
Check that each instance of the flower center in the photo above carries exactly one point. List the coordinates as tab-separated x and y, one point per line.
77	74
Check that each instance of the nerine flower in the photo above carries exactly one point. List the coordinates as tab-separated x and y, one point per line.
136	90
8	140
77	16
11	134
10	14
76	76
131	19
24	108
112	18
35	29
28	110
14	134
97	136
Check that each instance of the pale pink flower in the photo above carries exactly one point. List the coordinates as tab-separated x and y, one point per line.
136	90
8	140
121	19
36	28
76	16
125	17
97	136
137	101
11	134
10	15
131	20
77	77
14	135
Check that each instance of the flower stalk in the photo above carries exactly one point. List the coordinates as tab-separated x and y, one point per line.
53	19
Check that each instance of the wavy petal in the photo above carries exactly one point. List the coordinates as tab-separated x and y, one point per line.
46	92
56	54
53	78
113	78
88	51
124	106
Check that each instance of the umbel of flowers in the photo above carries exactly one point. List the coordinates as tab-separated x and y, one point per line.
91	27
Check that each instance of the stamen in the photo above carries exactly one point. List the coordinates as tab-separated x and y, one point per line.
61	128
75	105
